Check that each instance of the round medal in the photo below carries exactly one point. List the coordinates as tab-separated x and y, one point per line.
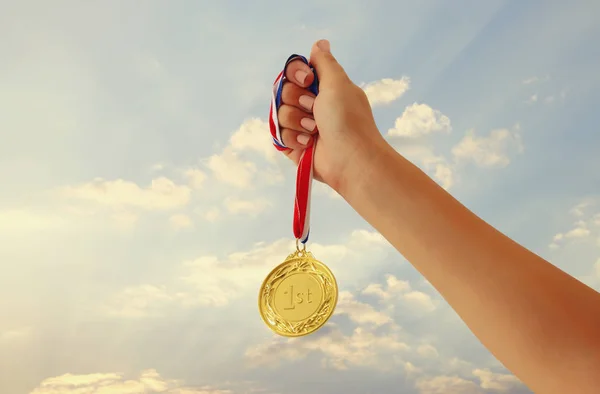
298	296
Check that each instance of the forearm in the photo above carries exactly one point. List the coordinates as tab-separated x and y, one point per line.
541	323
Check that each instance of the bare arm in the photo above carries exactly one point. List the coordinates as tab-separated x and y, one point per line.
540	322
543	324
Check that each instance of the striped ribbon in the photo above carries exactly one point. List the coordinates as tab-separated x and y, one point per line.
304	175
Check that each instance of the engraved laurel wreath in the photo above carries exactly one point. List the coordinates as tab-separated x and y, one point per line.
299	262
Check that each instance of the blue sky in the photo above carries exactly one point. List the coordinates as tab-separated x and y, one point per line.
142	203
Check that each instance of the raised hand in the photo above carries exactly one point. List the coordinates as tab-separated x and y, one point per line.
341	115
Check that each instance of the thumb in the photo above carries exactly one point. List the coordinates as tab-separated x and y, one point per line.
329	71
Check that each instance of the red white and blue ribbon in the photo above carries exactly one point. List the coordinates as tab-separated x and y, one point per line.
304	176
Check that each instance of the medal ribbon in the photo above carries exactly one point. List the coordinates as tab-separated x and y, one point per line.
304	175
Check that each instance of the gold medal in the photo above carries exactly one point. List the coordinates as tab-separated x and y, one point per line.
298	296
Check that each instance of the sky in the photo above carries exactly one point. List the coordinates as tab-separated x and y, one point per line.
142	203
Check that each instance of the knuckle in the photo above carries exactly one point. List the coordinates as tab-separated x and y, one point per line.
288	137
285	115
284	111
293	67
288	93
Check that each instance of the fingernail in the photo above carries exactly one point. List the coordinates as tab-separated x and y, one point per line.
324	45
300	76
303	139
308	124
306	102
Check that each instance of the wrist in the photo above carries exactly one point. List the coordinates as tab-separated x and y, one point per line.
369	158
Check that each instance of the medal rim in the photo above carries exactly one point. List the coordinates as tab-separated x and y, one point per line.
289	260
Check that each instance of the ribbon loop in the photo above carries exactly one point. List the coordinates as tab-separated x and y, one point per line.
304	176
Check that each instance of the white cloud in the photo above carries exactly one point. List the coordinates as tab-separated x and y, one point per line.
367	238
579	231
229	168
529	81
360	348
347	259
447	385
532	99
535	79
579	209
157	167
421	302
400	290
206	282
272	175
496	381
444	175
27	220
140	301
558	97
386	90
124	220
393	288
493	150
359	312
427	351
235	166
195	177
17	221
211	214
213	282
545	98
254	135
180	221
148	382
248	207
582	236
459	383
162	194
419	120
457	366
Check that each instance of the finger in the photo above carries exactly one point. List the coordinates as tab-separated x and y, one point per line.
299	73
329	70
296	140
296	96
296	119
294	155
